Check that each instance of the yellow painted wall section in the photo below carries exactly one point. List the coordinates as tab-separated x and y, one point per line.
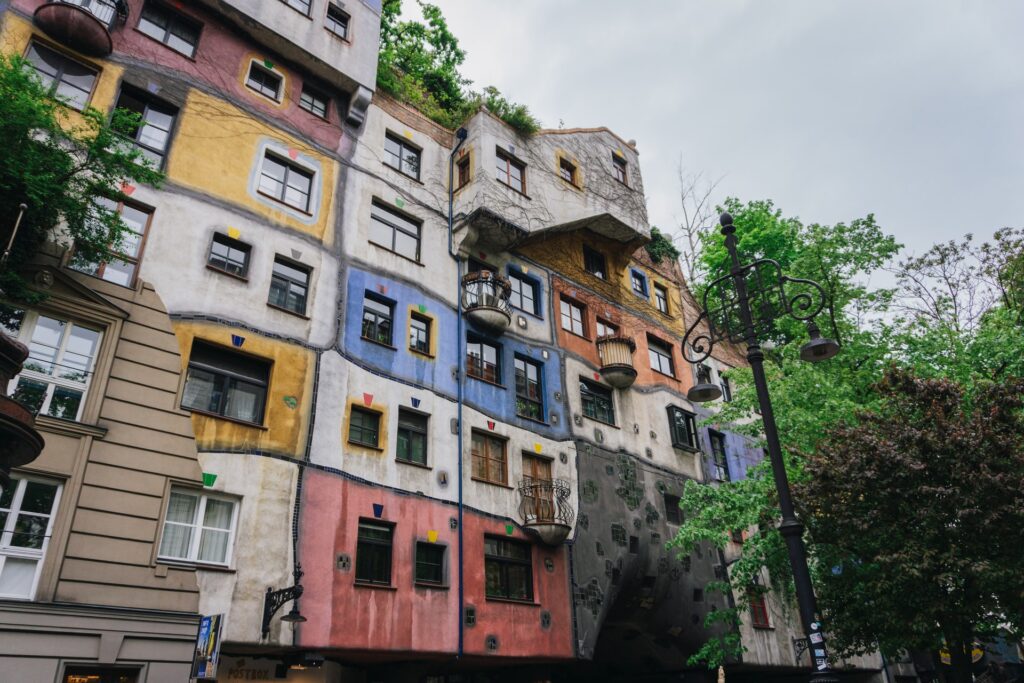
215	151
285	427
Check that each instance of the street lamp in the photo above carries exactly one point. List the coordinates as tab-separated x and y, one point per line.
275	599
743	304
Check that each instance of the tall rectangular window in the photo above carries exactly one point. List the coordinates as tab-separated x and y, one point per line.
595	263
337	21
597	402
419	333
567	170
524	292
170	28
313	101
718	456
264	81
394	231
573	316
402	156
758	609
673	515
538	503
377	319
529	395
198	527
639	283
27	508
412	437
373	552
66	78
683	428
289	285
229	255
364	427
122	268
661	356
61	360
285	182
510	171
508	569
661	298
226	383
726	388
429	563
153	134
619	166
490	458
483	360
463	170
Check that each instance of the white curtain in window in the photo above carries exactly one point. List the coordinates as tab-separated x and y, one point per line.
241	403
213	546
198	390
17	576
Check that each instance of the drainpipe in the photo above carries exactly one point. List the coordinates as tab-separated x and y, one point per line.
461	136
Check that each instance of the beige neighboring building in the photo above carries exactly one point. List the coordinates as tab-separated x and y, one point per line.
82	595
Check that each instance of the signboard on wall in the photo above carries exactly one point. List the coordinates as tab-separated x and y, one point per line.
204	661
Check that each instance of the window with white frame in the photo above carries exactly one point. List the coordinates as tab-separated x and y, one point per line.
27	508
56	376
198	527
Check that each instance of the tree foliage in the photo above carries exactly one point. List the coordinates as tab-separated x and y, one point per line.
661	247
60	163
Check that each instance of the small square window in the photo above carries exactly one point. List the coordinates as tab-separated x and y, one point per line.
419	333
510	171
673	515
378	315
412	437
337	21
661	298
373	552
285	182
400	155
483	360
567	171
430	563
229	255
490	458
264	81
463	167
524	292
573	315
313	101
595	263
639	283
170	28
661	356
223	382
289	285
619	166
597	402
364	427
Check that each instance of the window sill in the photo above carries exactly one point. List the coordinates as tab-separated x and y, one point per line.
688	449
664	374
218	416
378	343
365	445
571	184
493	483
190	58
513	601
401	256
432	586
413	464
600	422
485	381
538	316
403	173
578	336
288	311
304	212
198	566
344	39
58	425
375	586
424	354
241	278
762	628
532	419
517	191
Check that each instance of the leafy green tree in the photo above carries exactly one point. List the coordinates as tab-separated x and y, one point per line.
59	163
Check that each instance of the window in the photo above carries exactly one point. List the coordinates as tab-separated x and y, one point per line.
529	396
595	263
661	356
394	231
27	508
719	460
364	427
463	168
567	170
726	388
313	101
537	503
430	563
573	318
673	515
337	21
661	298
412	437
264	81
511	171
683	428
198	528
619	164
59	368
66	79
597	402
483	361
229	255
170	28
153	134
606	329
101	674
289	285
299	5
226	383
508	569
285	182
377	317
121	269
401	156
524	293
758	608
419	333
639	283
373	553
489	458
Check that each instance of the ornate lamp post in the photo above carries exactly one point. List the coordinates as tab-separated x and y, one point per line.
737	307
275	599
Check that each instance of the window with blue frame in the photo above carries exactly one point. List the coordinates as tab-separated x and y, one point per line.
524	292
483	360
639	282
529	396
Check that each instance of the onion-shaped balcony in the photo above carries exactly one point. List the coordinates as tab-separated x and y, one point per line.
545	509
617	360
83	25
21	443
485	300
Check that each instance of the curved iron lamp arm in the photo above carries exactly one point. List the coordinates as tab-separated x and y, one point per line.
275	599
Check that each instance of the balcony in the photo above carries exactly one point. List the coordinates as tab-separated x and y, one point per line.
545	509
22	443
83	25
485	300
617	360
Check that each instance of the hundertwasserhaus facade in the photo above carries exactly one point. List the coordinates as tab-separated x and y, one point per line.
463	432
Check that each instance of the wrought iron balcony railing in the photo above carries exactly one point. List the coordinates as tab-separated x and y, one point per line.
105	11
545	509
485	299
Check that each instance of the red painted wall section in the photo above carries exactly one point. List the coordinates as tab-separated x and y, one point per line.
405	617
221	61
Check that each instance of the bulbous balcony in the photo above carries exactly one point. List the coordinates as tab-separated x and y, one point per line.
83	25
20	443
617	360
545	509
485	300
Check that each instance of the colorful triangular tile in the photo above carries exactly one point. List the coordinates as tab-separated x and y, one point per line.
234	233
367	399
127	188
490	424
537	447
293	153
237	340
597	375
432	536
209	479
423	308
415	402
510	529
378	510
267	63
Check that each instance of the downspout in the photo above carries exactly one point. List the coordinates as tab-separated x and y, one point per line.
461	136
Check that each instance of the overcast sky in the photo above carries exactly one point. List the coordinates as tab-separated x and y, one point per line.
911	110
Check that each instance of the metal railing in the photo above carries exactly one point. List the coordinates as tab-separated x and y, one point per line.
106	11
545	501
484	289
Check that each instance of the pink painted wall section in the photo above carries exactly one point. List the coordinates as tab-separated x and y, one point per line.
220	61
405	617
